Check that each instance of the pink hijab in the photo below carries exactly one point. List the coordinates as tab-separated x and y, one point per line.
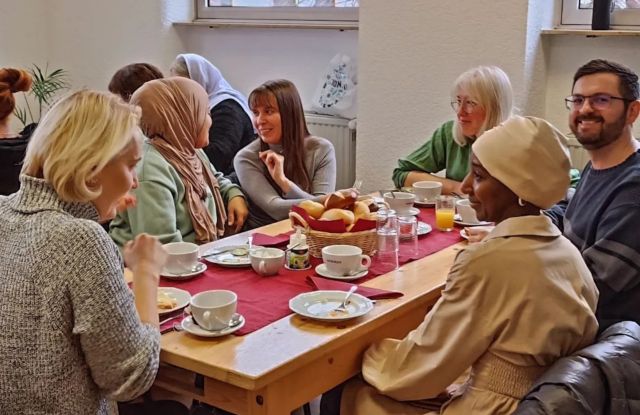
173	114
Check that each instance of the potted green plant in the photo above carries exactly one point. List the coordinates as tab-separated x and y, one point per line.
46	85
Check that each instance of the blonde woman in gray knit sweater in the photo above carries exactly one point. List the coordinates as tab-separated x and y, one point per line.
73	339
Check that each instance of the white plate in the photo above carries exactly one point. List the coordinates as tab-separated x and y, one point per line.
190	326
199	269
458	221
324	272
423	228
227	259
319	305
463	233
182	298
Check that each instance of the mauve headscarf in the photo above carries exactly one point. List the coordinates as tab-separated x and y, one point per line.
173	114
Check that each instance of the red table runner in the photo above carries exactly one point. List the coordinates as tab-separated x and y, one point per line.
263	300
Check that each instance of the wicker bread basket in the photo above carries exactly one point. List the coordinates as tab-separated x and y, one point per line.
365	240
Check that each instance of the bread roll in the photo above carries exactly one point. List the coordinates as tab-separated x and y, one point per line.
346	216
314	209
337	200
360	209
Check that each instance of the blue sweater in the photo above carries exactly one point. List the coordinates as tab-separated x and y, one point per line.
603	221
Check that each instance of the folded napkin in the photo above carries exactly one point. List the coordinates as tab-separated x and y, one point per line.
320	283
261	239
167	326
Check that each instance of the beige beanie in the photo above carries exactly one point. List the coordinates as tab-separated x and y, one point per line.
529	156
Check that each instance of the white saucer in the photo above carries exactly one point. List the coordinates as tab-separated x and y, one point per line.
458	221
463	233
322	271
424	203
423	228
190	326
411	212
297	269
199	269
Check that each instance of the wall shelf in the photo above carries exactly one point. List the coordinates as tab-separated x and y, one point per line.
589	32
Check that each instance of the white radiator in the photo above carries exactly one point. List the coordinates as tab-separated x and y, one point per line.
343	138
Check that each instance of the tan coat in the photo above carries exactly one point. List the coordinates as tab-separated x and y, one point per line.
512	305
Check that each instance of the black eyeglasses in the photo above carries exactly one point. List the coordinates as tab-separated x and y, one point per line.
597	101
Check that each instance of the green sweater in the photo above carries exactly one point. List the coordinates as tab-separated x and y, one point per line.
161	208
440	153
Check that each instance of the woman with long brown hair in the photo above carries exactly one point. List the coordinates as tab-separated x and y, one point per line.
286	164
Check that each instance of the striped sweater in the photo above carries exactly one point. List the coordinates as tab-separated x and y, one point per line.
602	220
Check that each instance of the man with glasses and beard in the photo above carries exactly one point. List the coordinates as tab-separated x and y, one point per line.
602	219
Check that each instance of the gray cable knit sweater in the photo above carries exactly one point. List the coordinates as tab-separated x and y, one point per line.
71	341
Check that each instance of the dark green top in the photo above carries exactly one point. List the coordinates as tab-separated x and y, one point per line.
441	152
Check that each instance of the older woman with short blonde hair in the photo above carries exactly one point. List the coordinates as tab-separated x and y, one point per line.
481	98
63	297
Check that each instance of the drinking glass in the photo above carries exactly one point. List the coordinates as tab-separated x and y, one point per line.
445	211
408	235
387	234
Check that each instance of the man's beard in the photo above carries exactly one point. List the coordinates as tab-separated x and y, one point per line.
609	132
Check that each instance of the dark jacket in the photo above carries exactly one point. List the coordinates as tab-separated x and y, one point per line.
12	151
603	378
231	130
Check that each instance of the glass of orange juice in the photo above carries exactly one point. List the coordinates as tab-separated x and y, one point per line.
445	211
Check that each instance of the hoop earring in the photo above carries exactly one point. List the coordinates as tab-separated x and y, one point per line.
521	202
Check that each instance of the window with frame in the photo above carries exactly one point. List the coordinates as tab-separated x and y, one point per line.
295	12
578	12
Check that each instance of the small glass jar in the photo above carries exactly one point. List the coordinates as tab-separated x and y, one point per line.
298	257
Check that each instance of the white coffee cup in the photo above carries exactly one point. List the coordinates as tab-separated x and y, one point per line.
266	261
466	212
427	191
213	309
401	202
182	257
344	259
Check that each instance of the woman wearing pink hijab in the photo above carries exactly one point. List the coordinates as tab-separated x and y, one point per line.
180	196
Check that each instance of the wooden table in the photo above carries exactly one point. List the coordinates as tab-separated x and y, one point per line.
282	366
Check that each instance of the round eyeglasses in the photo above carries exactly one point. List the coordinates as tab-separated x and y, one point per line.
467	106
596	101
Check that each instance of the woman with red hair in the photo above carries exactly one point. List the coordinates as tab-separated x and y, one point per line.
12	145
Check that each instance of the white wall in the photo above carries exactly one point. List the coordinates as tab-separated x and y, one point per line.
23	29
92	39
411	53
248	57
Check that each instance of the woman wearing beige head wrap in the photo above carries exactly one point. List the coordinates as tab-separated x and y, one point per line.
512	304
180	197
